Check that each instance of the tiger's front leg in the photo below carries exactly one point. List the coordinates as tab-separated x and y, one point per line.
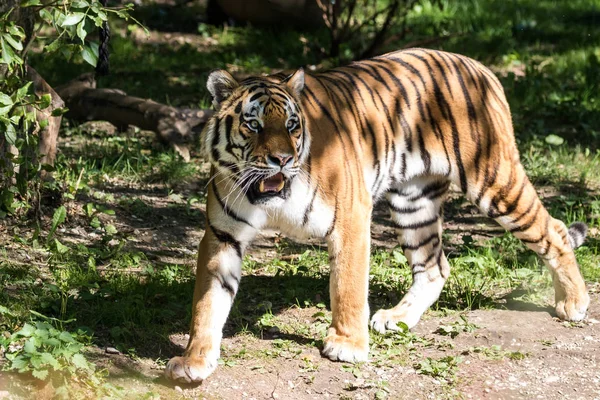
349	247
218	276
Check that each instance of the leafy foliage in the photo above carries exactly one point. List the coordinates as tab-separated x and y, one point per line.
71	20
47	352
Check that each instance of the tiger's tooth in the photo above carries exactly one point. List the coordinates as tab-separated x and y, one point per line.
261	186
280	186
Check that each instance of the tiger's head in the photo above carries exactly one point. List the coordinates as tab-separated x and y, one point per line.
258	136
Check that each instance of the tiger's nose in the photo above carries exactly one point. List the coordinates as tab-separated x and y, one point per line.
280	160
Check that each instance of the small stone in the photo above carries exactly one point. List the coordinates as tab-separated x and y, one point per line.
552	379
178	389
112	350
588	338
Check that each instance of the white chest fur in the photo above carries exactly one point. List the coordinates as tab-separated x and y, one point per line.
304	214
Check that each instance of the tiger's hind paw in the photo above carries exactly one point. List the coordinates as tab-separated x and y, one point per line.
573	309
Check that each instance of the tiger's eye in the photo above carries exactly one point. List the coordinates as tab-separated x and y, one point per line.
291	124
254	125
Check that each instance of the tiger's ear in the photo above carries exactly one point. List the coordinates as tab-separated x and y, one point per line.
295	82
220	84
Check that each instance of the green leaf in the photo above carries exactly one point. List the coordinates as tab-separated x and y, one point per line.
46	16
17	45
60	214
59	111
110	229
80	362
66	337
10	134
81	33
52	342
19	363
29	3
41	374
52	47
95	222
73	19
5	99
554	140
6	311
27	330
29	346
80	4
60	248
45	100
7	53
49	359
22	91
90	55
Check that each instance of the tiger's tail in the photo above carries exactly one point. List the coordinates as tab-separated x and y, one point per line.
577	234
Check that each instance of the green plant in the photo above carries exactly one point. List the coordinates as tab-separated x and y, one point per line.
444	368
45	350
457	327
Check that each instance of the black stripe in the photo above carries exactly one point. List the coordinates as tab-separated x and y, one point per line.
423	242
334	219
225	237
225	284
403	210
228	211
418	225
424	153
432	190
529	223
309	207
422	264
256	96
395	79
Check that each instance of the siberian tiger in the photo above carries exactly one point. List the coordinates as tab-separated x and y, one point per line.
311	154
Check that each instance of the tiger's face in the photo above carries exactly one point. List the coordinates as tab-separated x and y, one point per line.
258	137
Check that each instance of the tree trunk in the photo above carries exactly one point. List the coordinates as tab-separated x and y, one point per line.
178	127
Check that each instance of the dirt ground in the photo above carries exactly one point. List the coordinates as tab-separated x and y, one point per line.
561	361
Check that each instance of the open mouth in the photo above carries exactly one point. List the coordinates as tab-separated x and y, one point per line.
274	186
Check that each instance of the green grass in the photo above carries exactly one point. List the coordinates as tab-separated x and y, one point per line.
118	292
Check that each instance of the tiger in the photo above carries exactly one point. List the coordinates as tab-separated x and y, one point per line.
310	154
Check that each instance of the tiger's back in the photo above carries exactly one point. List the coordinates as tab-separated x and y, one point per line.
412	113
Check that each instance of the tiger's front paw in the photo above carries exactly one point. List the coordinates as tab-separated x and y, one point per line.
345	348
573	308
387	320
189	370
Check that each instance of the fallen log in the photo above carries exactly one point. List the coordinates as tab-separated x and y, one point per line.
178	127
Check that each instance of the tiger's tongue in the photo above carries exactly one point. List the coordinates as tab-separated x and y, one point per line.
272	184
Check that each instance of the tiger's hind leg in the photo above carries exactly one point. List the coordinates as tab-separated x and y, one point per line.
519	210
416	211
